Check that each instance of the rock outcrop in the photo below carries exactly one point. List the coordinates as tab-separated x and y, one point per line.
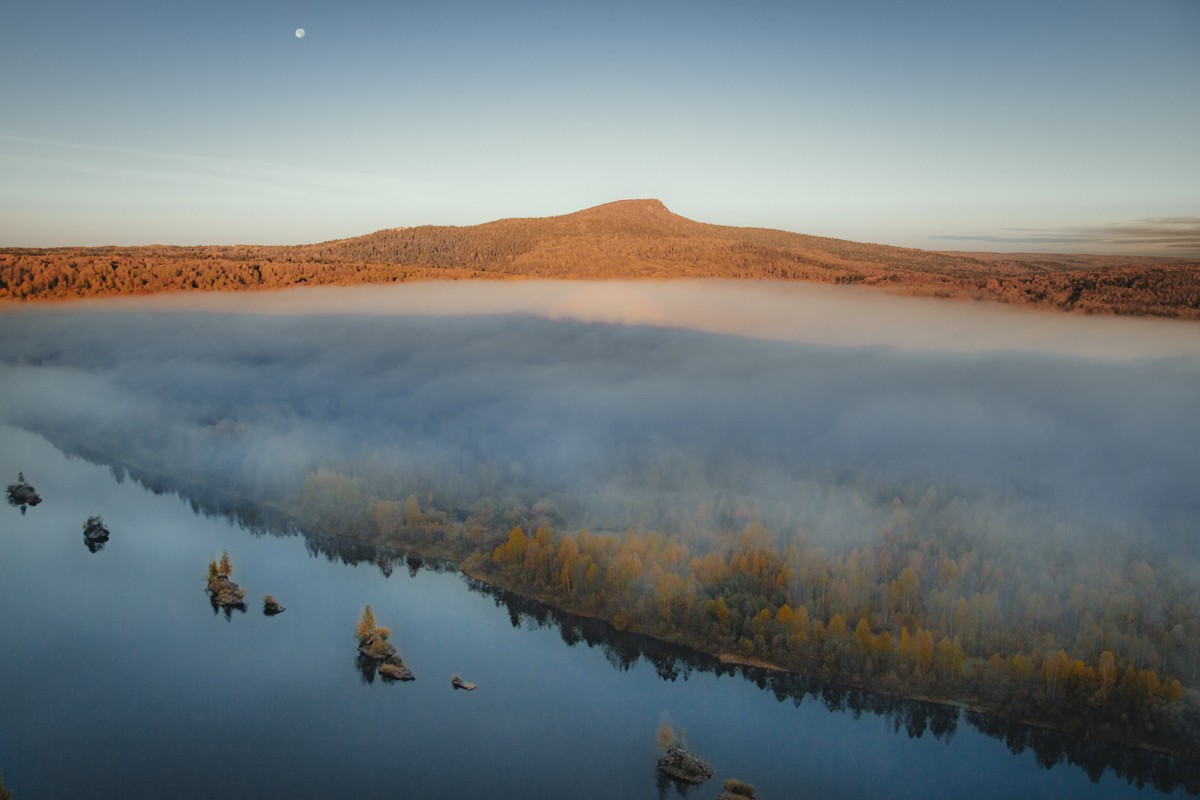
684	765
22	494
226	593
376	647
271	606
94	530
395	669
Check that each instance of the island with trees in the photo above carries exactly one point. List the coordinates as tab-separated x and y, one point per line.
1069	639
679	762
374	646
221	588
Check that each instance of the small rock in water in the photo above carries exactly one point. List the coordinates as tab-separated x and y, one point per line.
395	669
684	765
94	530
22	494
271	606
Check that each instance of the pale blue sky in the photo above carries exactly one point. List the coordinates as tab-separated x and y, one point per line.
1018	125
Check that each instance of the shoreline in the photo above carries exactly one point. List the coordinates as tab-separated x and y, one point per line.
737	661
466	566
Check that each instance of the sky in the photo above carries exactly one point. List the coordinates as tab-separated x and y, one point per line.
1021	126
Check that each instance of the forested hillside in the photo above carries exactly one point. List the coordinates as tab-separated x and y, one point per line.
625	239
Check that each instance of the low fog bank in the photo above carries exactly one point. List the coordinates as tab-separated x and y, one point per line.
781	311
616	425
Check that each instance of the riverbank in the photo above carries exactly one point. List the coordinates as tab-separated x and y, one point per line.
672	657
474	559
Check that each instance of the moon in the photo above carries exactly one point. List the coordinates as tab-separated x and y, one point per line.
299	33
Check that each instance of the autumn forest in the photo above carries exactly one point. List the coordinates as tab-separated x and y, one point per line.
630	239
1002	532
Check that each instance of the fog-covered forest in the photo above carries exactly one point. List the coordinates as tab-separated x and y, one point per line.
1010	530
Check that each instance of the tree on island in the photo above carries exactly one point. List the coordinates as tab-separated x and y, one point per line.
366	624
372	638
223	590
680	762
373	645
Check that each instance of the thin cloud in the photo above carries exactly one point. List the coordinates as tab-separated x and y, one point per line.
1154	233
183	168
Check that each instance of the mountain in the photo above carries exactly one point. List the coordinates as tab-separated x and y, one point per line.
627	239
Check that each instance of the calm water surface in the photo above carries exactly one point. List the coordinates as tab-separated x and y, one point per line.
119	680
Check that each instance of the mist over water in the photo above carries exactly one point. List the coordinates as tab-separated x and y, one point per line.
622	404
773	310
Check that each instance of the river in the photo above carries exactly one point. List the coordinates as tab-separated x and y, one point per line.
119	679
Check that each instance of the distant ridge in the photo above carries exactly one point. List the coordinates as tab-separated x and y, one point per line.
626	239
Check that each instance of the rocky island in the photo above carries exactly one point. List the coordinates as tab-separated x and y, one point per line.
95	533
22	494
271	606
680	763
221	588
373	644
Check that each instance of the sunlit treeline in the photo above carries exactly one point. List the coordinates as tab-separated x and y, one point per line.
1055	635
46	275
629	239
916	614
1061	636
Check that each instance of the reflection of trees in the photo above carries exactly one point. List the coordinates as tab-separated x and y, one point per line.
665	783
367	668
226	610
623	650
1051	748
912	717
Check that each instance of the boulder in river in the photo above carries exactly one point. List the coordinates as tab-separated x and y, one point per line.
459	683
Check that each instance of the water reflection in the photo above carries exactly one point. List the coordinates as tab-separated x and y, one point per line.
665	784
95	534
224	609
912	717
367	668
623	650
